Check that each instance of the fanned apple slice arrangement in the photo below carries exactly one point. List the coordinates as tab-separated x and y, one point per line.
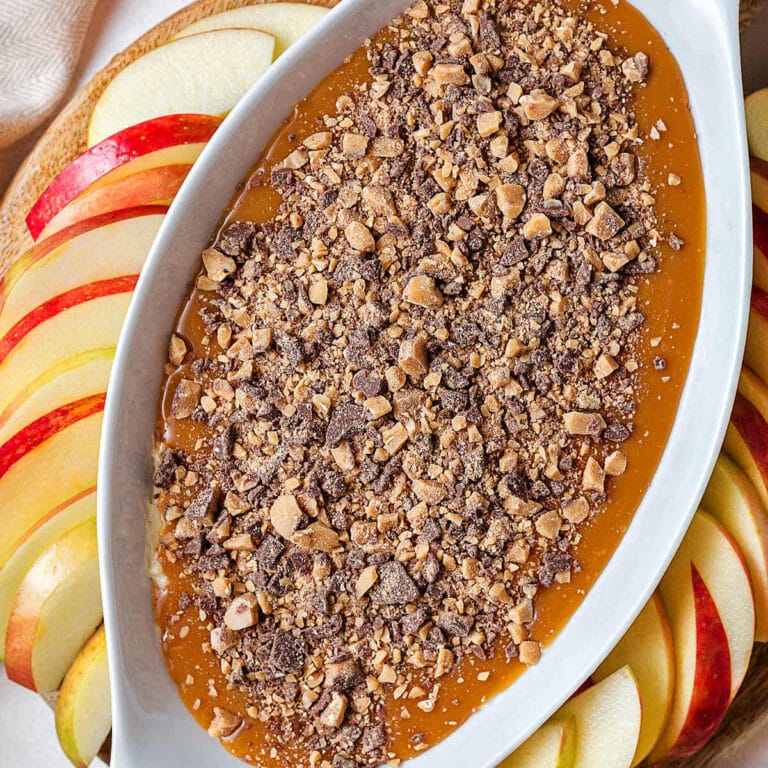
664	689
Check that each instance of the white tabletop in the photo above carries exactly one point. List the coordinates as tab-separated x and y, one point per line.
26	723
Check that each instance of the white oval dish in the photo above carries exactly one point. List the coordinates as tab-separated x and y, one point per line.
151	726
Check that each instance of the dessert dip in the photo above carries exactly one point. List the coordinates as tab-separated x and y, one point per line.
424	377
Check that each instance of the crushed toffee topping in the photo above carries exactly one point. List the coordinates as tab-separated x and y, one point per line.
418	375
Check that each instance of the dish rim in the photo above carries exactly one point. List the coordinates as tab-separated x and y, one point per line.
140	687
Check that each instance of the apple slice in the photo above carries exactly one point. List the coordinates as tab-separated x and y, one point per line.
286	22
756	108
733	500
756	350
166	140
760	251
206	73
708	598
647	649
552	746
17	563
56	610
607	717
61	239
83	710
746	439
758	177
49	462
49	343
116	249
152	186
88	376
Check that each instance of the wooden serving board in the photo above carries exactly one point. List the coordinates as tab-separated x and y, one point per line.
65	138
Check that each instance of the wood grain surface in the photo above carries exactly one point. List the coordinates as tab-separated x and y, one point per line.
65	138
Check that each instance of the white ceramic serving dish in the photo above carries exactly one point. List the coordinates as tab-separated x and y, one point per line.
151	726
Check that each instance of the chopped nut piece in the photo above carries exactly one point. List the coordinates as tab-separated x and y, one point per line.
224	723
412	357
594	476
605	365
243	612
511	199
296	160
320	140
605	223
367	578
359	236
488	123
615	464
285	515
378	406
548	524
395	438
529	652
379	199
261	339
344	456
449	74
522	613
636	68
185	398
578	165
429	491
354	144
217	265
316	536
422	61
383	146
422	290
222	639
578	423
177	350
537	226
395	377
576	511
318	291
614	261
538	105
440	204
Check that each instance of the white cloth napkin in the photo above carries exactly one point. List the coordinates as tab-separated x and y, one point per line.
40	42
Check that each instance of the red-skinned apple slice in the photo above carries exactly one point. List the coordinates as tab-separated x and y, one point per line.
83	711
708	597
88	375
111	251
607	717
179	77
49	462
56	610
746	440
153	186
648	650
756	350
552	746
287	22
166	140
16	564
760	255
50	345
756	110
732	499
49	246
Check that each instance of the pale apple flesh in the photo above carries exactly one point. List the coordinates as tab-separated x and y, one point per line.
708	598
41	535
608	716
85	327
49	245
116	249
648	650
152	186
286	22
756	349
48	471
77	377
83	710
732	499
206	73
756	108
552	746
56	609
166	140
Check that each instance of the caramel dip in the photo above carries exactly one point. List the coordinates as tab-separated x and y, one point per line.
424	377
